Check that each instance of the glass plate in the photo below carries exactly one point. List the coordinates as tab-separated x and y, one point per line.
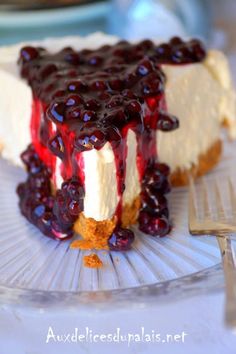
38	271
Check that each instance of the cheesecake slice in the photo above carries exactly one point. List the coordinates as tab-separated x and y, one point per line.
99	124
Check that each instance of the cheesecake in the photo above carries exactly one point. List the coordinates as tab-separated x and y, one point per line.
104	127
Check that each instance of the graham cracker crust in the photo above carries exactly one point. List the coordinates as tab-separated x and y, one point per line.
206	162
130	213
96	233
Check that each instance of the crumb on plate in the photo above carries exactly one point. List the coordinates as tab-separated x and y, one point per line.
92	261
81	244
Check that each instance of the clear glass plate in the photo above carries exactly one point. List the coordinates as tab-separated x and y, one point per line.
38	271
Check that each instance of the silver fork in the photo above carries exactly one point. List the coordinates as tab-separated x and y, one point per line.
222	227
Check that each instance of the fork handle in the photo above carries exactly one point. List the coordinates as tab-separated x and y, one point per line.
229	266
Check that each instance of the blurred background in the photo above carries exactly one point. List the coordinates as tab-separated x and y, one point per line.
212	20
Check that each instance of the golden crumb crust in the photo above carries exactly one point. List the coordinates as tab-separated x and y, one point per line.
206	162
96	233
130	212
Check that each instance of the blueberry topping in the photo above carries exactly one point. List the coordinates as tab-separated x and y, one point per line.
121	239
85	99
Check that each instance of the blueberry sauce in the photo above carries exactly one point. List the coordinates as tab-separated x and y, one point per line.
82	100
154	214
53	213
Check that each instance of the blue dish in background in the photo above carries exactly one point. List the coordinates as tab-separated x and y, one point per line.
18	26
162	19
130	19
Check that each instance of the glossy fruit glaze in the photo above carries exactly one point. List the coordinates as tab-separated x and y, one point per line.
84	100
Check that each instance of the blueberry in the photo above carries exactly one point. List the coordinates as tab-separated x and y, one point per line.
28	54
154	226
121	239
56	145
56	112
93	139
167	122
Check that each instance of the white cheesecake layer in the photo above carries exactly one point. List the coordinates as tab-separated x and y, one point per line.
101	197
200	95
15	112
198	100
